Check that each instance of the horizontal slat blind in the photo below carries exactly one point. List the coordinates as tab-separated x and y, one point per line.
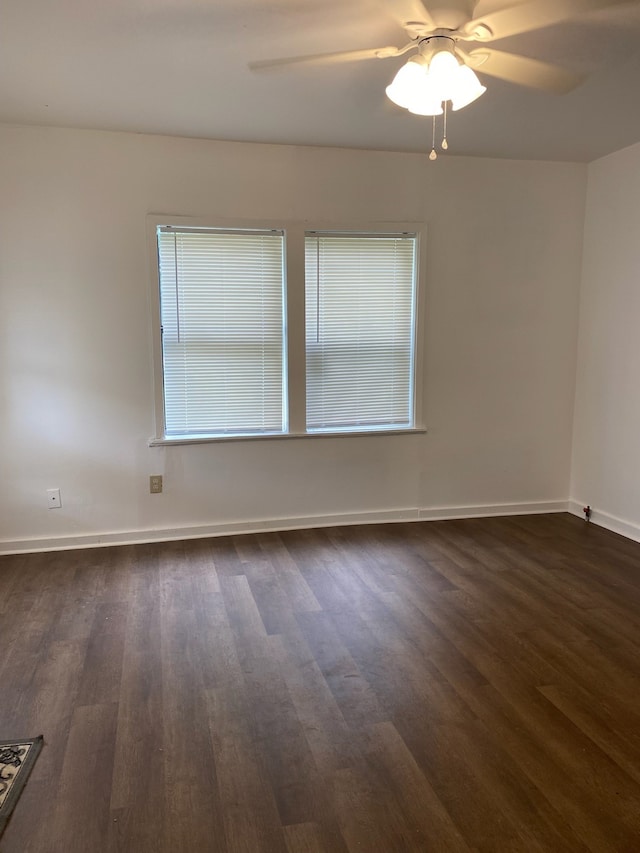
221	297
360	307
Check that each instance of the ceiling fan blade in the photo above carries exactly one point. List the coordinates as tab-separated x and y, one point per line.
530	16
522	70
330	58
412	15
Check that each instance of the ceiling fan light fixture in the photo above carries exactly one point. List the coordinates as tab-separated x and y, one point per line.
428	82
423	84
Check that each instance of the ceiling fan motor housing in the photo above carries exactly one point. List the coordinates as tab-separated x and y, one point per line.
431	45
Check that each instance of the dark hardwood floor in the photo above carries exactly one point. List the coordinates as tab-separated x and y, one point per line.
445	686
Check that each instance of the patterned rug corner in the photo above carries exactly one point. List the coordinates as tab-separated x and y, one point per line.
17	758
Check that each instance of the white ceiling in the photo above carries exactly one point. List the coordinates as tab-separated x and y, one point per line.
180	67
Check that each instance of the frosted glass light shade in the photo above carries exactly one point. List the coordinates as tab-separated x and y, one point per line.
407	83
425	106
468	88
443	74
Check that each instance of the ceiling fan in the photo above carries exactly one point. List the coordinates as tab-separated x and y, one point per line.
442	35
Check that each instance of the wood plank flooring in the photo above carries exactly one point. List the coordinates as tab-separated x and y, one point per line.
444	686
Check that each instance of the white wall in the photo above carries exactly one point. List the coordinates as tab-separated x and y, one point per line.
606	449
505	242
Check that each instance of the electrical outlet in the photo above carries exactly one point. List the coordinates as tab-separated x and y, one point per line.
155	484
54	501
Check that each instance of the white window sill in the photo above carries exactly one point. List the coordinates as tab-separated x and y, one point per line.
209	439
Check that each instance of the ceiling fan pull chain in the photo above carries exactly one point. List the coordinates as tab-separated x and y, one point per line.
433	155
445	144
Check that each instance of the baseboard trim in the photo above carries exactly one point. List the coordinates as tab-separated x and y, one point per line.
140	537
489	510
604	519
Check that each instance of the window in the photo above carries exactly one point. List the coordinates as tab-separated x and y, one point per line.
360	296
246	347
221	306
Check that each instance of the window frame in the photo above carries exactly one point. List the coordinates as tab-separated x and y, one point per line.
294	326
351	238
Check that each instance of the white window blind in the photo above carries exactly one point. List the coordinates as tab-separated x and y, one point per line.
360	318
222	310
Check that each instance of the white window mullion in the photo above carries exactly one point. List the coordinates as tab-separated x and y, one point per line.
296	365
